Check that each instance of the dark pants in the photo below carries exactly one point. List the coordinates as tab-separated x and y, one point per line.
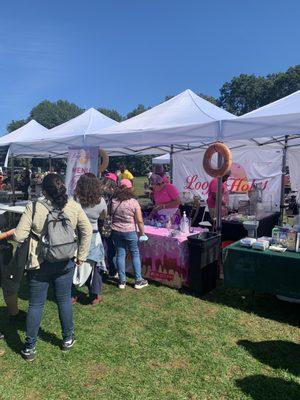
60	276
94	283
111	252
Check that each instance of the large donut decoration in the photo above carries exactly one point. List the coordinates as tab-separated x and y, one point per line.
105	161
225	153
7	234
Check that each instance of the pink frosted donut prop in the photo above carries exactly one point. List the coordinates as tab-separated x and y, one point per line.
105	161
225	153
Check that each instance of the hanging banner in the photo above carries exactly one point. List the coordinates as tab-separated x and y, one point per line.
293	156
80	161
251	166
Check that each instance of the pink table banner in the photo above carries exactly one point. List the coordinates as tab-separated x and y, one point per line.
165	258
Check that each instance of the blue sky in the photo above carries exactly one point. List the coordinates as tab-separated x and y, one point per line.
119	53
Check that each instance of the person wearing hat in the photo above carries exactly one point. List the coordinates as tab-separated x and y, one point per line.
165	195
126	218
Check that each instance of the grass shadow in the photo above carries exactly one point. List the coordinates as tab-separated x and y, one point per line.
264	305
278	354
12	336
11	331
260	387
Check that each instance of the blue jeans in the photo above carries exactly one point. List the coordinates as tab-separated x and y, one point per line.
111	252
61	277
124	240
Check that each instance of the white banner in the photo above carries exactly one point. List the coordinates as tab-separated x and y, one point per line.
294	167
250	165
80	161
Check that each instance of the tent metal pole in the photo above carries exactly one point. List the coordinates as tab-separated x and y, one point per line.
12	178
171	162
219	200
50	164
284	154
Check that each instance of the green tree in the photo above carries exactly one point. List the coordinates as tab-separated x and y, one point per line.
138	165
51	114
113	114
16	125
136	111
245	93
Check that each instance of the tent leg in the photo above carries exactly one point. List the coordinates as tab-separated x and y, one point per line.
171	162
219	200
283	179
219	207
12	178
50	164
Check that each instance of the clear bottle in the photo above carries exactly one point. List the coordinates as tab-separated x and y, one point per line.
275	234
169	223
184	224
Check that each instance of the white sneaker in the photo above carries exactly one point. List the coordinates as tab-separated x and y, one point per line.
141	284
122	285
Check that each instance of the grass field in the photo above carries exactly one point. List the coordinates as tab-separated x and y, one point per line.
159	343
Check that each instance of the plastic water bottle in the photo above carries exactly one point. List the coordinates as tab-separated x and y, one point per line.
184	224
169	224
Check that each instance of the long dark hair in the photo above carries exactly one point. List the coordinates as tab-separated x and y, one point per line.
55	189
88	190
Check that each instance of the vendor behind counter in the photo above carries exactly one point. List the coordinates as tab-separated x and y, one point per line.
165	196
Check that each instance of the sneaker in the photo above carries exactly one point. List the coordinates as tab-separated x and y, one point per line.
114	276
20	317
28	354
96	300
141	284
67	345
122	285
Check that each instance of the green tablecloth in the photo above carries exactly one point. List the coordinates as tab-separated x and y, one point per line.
262	271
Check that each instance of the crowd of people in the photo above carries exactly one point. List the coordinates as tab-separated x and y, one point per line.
103	213
105	220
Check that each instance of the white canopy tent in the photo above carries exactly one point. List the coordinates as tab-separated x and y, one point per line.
69	134
163	159
273	121
184	118
27	132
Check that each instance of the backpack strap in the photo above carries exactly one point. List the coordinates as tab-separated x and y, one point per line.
49	208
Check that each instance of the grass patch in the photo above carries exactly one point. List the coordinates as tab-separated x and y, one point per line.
160	344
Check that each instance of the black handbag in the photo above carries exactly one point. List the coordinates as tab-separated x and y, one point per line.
106	224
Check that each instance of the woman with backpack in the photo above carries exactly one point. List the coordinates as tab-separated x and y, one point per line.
51	226
126	217
88	194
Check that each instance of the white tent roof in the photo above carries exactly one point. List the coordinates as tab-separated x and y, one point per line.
287	105
180	120
69	134
27	132
164	159
282	117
